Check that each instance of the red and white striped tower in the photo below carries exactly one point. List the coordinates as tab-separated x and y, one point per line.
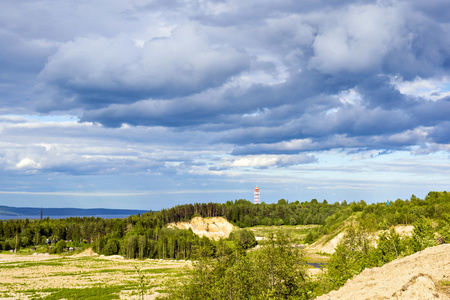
256	195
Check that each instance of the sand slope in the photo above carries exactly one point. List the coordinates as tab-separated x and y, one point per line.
213	228
329	246
418	276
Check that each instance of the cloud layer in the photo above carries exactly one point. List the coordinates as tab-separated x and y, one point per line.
209	88
317	74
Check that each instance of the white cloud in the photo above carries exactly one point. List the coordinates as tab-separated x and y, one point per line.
27	163
264	161
350	96
207	96
115	70
356	39
431	89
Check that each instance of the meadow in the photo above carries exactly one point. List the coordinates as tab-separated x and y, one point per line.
86	277
34	274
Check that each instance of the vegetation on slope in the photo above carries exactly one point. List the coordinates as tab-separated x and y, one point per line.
276	271
220	263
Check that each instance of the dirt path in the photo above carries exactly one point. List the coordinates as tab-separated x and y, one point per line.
423	275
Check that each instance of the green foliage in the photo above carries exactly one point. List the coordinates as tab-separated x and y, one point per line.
141	285
112	247
87	293
423	235
444	228
309	239
59	248
243	238
146	236
381	216
281	269
353	254
130	245
205	249
389	246
276	271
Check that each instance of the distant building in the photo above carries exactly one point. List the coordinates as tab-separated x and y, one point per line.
256	193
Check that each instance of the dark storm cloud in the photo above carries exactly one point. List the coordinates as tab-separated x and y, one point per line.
98	72
250	73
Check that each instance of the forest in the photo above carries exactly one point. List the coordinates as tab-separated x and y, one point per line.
146	236
223	266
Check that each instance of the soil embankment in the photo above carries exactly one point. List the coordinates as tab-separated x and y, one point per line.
423	275
328	245
213	228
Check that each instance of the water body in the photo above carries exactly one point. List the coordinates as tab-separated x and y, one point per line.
32	213
37	217
317	265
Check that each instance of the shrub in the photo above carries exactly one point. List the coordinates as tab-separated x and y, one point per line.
423	235
243	238
59	248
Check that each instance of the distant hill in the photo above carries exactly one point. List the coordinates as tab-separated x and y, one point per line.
64	212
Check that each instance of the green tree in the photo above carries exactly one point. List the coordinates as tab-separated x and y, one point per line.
276	271
444	229
243	238
423	234
281	269
352	255
389	246
111	247
130	246
142	247
60	245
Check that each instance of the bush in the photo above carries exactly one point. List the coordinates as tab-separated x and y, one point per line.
353	254
276	271
5	246
111	247
444	228
59	248
423	235
243	238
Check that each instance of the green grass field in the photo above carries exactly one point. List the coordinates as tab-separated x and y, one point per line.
297	232
68	276
94	277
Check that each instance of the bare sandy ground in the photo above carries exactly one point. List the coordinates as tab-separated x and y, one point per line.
7	258
213	228
330	246
423	275
19	273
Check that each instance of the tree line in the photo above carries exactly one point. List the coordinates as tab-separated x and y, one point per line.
244	213
140	236
277	269
146	235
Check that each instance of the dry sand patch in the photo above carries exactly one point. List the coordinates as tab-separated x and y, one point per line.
418	276
19	274
214	228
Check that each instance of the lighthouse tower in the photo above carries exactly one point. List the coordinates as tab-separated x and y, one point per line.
256	195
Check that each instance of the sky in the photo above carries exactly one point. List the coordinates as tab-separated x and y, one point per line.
147	104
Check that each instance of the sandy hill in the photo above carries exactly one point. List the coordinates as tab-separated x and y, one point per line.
213	228
87	252
423	275
327	244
